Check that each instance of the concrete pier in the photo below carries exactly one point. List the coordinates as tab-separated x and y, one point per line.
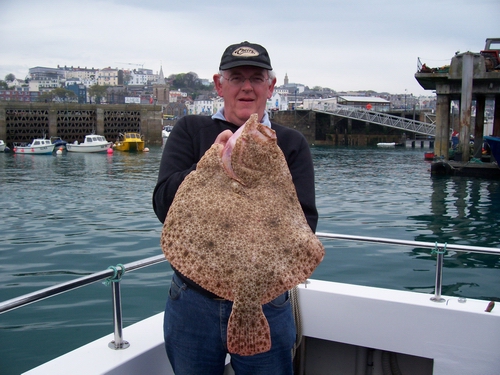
419	143
21	122
469	78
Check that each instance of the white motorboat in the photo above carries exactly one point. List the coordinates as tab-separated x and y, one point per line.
390	144
2	146
92	143
165	132
346	329
386	144
39	146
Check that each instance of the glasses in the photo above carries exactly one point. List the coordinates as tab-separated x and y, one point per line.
239	81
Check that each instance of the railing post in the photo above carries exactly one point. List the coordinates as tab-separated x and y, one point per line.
118	342
439	275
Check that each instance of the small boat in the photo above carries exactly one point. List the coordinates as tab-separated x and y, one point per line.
390	144
2	146
429	156
39	146
130	142
165	132
58	142
494	143
92	143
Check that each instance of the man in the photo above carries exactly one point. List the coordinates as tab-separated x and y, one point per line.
195	319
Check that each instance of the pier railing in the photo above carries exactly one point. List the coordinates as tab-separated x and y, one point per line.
114	274
397	122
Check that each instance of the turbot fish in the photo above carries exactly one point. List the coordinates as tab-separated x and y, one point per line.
236	228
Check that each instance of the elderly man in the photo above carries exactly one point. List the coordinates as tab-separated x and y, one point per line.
195	319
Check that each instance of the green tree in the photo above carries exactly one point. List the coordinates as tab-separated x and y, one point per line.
58	95
3	85
97	92
63	95
10	77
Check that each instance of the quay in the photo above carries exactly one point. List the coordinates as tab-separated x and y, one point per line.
22	122
469	77
465	169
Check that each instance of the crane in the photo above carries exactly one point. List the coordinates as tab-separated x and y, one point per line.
141	65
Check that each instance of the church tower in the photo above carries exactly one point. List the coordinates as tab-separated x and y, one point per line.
160	89
286	79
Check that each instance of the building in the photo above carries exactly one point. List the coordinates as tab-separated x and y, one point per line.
19	94
45	79
88	77
278	102
161	91
108	77
79	89
372	103
202	106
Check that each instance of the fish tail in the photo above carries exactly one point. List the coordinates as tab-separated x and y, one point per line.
248	332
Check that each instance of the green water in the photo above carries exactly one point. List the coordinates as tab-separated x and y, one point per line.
73	214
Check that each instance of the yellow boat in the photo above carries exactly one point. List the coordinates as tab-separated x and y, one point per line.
130	142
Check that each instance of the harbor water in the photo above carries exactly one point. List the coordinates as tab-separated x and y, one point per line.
64	216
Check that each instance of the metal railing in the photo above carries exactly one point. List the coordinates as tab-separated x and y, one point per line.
113	275
383	119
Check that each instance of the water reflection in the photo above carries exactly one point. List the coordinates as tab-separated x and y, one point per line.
463	211
390	193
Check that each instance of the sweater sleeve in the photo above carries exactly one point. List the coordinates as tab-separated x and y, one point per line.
299	159
177	162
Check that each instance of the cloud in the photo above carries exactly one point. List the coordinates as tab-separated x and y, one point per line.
356	45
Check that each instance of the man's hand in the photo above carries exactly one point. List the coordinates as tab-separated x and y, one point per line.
223	137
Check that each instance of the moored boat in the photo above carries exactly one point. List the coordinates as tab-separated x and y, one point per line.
39	146
130	142
354	329
165	132
58	143
494	143
92	143
429	156
2	146
390	144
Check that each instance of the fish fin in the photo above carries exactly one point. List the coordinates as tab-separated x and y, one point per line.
248	332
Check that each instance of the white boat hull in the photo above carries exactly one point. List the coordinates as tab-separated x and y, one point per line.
389	144
37	147
343	325
88	148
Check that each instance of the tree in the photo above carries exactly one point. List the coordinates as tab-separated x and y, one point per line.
97	92
63	95
10	77
58	95
3	85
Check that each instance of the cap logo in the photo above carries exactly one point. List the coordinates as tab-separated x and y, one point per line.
245	52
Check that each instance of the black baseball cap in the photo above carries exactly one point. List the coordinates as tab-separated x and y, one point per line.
245	53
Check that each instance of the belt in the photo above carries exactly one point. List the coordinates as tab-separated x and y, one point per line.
192	285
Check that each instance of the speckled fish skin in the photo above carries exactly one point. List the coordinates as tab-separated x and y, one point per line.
244	238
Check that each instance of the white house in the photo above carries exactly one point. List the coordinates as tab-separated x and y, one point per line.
203	106
278	102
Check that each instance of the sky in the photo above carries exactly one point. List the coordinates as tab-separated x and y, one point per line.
342	45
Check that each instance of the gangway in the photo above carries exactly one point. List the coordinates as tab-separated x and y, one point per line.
383	119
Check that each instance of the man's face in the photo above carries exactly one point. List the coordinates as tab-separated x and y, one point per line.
245	90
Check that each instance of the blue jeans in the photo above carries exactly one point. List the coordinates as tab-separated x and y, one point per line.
195	330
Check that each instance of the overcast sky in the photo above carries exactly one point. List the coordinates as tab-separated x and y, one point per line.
343	45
